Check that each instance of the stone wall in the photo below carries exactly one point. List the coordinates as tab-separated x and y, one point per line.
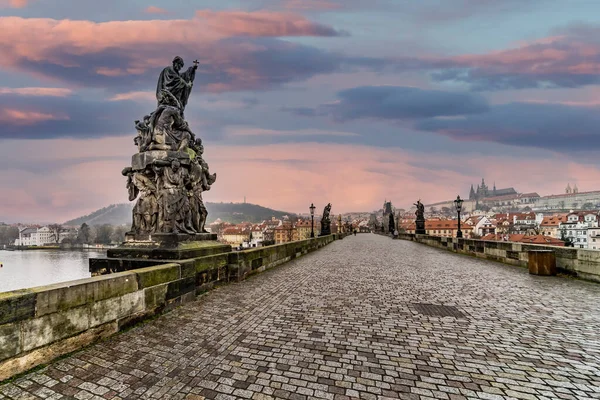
39	324
579	262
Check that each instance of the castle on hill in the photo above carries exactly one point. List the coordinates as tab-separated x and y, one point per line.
483	191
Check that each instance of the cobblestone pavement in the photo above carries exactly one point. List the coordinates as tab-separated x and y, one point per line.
345	322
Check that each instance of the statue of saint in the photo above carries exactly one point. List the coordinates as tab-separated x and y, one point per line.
326	221
179	85
420	212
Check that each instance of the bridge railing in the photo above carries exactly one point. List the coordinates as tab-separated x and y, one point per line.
582	263
39	324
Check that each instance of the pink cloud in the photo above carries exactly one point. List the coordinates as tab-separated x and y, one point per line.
37	91
24	117
571	59
155	10
136	96
262	23
14	3
113	51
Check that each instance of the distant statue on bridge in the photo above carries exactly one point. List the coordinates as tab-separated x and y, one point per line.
420	213
420	222
326	221
391	224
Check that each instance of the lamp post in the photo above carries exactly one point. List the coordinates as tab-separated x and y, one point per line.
458	204
312	220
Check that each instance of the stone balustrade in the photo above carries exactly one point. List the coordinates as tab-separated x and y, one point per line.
40	324
582	263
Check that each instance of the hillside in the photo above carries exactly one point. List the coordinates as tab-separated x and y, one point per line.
115	214
118	214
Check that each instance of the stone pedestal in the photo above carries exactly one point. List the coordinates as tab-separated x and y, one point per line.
542	262
420	227
147	250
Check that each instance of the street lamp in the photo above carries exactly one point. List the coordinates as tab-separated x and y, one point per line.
458	204
312	218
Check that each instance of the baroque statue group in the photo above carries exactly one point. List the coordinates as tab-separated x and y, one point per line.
168	173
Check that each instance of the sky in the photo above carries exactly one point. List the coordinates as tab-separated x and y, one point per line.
302	101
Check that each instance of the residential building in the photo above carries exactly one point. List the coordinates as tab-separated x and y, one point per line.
235	235
569	201
481	224
593	238
285	233
448	207
303	229
441	227
576	228
550	225
33	236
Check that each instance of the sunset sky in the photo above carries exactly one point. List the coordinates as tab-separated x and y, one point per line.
299	101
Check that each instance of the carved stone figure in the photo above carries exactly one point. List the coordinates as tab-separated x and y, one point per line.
145	211
169	173
179	85
173	183
201	181
170	130
144	138
326	221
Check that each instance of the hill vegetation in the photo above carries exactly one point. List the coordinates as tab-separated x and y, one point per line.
120	214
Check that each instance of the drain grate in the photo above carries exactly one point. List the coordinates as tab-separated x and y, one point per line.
435	310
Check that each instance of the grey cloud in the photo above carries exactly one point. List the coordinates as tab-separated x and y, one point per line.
401	103
77	117
555	127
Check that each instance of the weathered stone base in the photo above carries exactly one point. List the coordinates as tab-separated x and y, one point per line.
179	251
168	239
140	254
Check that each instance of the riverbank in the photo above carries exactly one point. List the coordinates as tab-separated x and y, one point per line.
99	247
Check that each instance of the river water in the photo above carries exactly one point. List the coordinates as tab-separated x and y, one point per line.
30	268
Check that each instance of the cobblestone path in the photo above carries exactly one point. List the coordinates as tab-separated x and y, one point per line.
345	322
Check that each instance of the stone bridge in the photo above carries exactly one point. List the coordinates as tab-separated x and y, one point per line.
365	317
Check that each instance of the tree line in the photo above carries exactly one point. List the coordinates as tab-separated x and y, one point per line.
98	234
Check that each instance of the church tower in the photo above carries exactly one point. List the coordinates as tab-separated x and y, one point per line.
575	189
568	190
472	193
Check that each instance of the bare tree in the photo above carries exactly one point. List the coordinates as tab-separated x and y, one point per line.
56	229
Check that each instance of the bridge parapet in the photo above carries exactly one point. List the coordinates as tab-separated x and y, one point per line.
40	324
582	263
